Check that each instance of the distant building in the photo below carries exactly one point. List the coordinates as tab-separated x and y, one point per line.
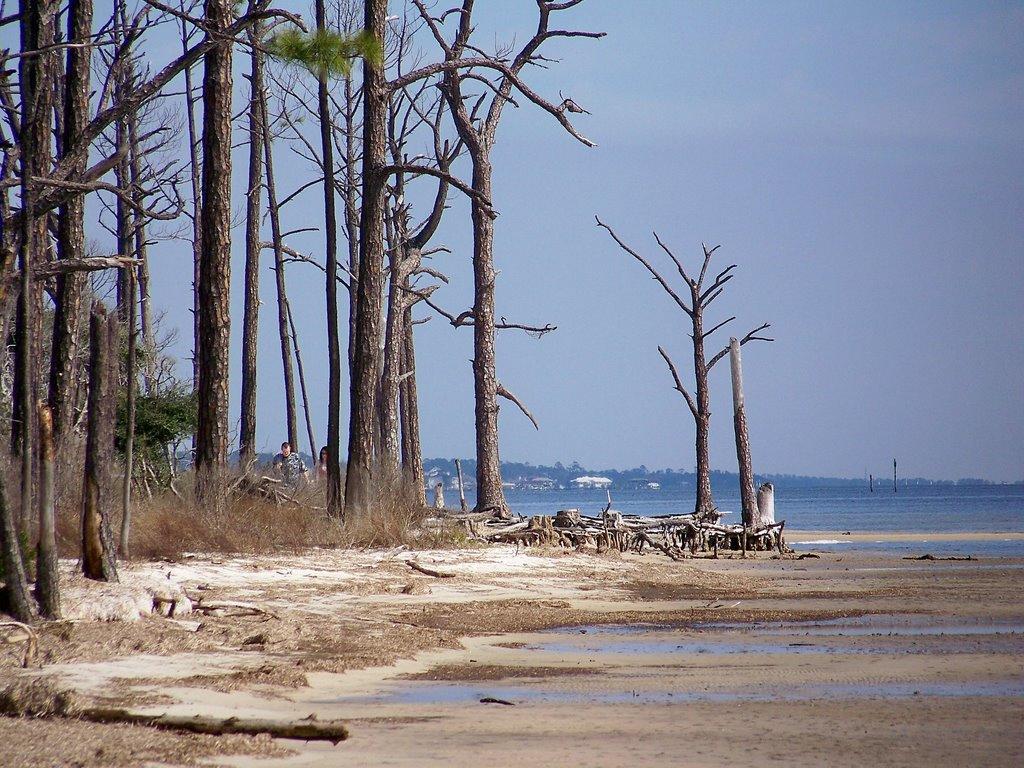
590	481
652	486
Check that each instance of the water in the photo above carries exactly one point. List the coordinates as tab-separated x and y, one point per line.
945	509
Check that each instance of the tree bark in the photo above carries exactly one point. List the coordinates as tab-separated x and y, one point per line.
215	259
65	356
47	583
97	497
129	443
412	454
748	495
37	32
704	506
334	498
489	492
14	594
250	319
371	273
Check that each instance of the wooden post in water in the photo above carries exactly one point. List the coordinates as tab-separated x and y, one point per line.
439	496
462	488
871	483
894	475
748	496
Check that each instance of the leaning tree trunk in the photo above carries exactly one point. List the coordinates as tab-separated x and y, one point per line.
98	560
14	597
47	586
489	494
67	317
279	276
250	317
371	275
334	501
215	259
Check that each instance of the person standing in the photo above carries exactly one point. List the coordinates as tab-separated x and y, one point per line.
289	465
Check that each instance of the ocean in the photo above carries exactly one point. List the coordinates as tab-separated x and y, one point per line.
945	509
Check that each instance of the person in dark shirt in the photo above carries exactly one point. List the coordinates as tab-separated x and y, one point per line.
289	465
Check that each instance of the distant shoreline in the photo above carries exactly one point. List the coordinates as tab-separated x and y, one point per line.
873	536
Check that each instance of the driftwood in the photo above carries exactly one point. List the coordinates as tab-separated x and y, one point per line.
672	535
263	487
234	608
930	556
309	729
9	628
429	571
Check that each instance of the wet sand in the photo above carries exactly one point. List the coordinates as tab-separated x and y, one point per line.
608	661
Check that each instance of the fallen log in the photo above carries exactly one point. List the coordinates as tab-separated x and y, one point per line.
930	556
307	730
238	609
429	571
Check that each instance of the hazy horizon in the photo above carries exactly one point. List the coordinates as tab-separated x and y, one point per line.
862	165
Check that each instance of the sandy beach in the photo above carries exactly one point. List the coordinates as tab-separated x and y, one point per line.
591	660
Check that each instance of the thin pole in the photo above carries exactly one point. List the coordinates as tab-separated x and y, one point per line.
894	475
462	491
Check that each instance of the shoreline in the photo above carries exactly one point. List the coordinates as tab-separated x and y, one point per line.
912	536
632	643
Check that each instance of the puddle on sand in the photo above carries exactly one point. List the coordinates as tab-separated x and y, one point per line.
454	693
875	625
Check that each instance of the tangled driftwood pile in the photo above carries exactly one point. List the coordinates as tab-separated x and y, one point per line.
677	536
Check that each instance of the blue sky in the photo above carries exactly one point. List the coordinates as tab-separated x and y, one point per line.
861	162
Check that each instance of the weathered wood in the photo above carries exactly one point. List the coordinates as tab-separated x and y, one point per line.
748	496
308	729
429	571
97	545
765	506
47	587
439	496
462	488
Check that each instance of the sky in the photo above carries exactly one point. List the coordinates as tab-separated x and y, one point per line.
861	163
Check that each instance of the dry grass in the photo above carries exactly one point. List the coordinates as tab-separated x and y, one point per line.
168	525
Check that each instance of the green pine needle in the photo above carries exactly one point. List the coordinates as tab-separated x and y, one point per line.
326	53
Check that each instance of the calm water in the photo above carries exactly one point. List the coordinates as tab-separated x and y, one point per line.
952	509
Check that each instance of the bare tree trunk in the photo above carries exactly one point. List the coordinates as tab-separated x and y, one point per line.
334	498
279	273
351	219
215	259
195	171
14	597
129	443
47	584
704	506
748	495
490	496
371	275
310	432
250	320
64	358
37	31
412	454
98	560
140	273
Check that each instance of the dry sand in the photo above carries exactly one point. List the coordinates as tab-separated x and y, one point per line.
841	660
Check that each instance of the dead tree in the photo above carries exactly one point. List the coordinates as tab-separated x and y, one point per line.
700	297
98	561
476	120
250	315
14	598
64	359
47	586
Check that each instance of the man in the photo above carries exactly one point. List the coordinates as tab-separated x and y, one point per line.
289	465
